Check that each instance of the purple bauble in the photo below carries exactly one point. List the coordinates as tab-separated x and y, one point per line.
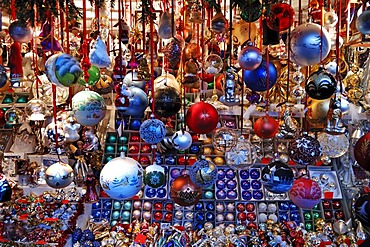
220	184
231	184
231	194
250	57
230	174
221	194
245	184
221	174
244	174
247	195
175	173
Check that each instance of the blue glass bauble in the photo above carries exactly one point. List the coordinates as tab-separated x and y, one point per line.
210	216
210	206
294	216
245	184
277	177
115	215
231	184
127	205
244	174
161	192
292	206
150	192
256	185
284	206
203	173
96	205
170	160
199	217
152	131
363	22
230	174
249	57
231	194
135	124
221	174
221	194
125	215
138	102
208	194
107	204
254	173
117	205
256	79
257	194
194	149
96	214
247	195
220	184
175	173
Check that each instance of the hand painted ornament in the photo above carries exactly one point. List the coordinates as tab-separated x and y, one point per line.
88	107
305	193
224	139
304	150
181	140
63	70
132	79
154	176
362	151
51	136
362	209
166	79
48	40
242	156
104	85
184	192
35	110
202	117
152	131
280	17
251	11
256	79
165	26
94	76
243	31
213	64
218	23
167	101
310	44
121	178
59	175
98	54
363	22
266	127
277	177
317	111
20	32
203	173
321	85
250	57
230	98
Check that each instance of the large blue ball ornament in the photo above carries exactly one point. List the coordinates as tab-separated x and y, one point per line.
250	57
203	173
256	79
138	102
363	22
152	131
131	79
310	43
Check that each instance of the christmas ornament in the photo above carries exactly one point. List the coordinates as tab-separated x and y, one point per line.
266	127
288	125
3	76
132	79
121	178
104	84
333	145
310	44
213	64
321	84
224	139
45	91
184	192
14	116
317	111
59	175
330	18
181	140
277	177
98	54
203	173
152	131
362	151
192	51
363	23
155	176
63	70
250	57
15	64
71	129
130	101
280	17
94	76
201	118
165	26
256	79
5	189
230	98
166	79
304	150
172	51
88	107
20	32
218	23
362	209
35	110
167	101
244	31
51	136
242	156
250	11
305	193
48	40
195	15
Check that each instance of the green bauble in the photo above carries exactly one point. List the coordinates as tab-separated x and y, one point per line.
94	77
155	176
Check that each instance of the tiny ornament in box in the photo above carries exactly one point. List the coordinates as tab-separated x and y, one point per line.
327	180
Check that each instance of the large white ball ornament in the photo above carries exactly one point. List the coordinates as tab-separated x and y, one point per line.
121	178
59	175
88	108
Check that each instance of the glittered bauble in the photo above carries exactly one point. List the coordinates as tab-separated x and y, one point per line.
181	140
5	189
152	131
131	79
305	193
203	173
14	116
213	64
362	209
224	139
250	57
266	127
310	44
363	22
202	118
304	150
63	70
35	109
256	79
121	178
88	107
59	175
184	192
172	51
362	151
321	85
20	32
154	176
167	101
277	177
333	146
242	156
280	17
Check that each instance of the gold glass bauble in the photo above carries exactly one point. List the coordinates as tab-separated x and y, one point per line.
317	111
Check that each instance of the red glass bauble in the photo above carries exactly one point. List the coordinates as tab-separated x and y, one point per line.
135	138
145	148
339	215
251	216
195	138
266	127
281	17
362	151
242	216
326	204
202	117
337	204
181	161
144	160
133	149
158	206
207	77
168	217
305	193
240	207
158	215
328	215
184	192
252	225
250	207
169	206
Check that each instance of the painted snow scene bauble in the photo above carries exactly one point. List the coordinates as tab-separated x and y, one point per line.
88	108
277	177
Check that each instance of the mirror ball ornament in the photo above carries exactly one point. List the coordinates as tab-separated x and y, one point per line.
308	46
88	108
59	175
256	79
280	17
224	139
305	193
201	118
242	156
154	176
363	22
182	140
362	209
203	173
20	32
152	131
321	85
167	101
304	150
121	178
5	189
277	177
362	151
250	57
184	192
266	127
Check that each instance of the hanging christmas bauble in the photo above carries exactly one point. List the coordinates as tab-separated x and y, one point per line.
104	85
182	140
131	79
20	32
277	177
35	110
321	85
362	209
213	64
152	131
224	139
317	111
257	79
3	76
201	117
310	44
305	193
14	116
280	17
94	76
363	22
59	175
203	173
333	146
51	136
98	55
305	150
242	31
88	107
166	79
121	178
5	189
266	127
167	101
172	51
330	18
251	11
362	151
218	23
137	102
184	192
250	57
242	156
155	176
192	51
165	29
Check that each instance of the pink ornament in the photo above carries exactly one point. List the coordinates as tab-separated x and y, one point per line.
305	193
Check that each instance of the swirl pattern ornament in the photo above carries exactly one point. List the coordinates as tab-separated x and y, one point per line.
304	150
305	193
333	146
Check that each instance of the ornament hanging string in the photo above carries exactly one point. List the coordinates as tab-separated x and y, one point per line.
338	54
267	77
202	89
68	50
13	10
321	6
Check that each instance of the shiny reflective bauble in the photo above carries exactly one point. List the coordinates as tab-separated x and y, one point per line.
362	151
213	64
202	118
133	103
152	131
317	111
333	146
310	44
242	156
35	109
266	127
121	178
131	79
167	101
63	70
224	139
256	79
166	80
6	190
304	150
154	176
277	177
280	17
330	18
20	32
184	192
251	11
59	175
203	173
88	107
250	57
321	85
14	116
363	22
181	140
305	193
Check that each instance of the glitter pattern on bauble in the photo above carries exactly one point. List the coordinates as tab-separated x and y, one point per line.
304	150
249	57
202	118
